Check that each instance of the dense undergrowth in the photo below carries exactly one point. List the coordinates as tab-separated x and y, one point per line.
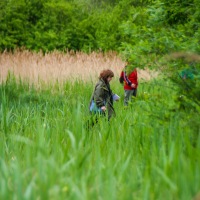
148	151
147	26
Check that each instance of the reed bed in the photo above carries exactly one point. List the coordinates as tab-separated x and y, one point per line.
50	150
59	67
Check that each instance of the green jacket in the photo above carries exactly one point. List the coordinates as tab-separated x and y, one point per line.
103	96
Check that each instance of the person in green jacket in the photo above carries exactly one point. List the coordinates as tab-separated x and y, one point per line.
101	102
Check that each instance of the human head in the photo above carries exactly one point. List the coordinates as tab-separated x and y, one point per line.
127	61
105	74
130	60
130	66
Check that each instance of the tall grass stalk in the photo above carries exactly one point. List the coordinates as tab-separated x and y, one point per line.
146	152
58	67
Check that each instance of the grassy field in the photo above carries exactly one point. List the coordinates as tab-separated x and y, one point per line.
149	151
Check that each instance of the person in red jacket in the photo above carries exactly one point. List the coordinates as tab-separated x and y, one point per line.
129	77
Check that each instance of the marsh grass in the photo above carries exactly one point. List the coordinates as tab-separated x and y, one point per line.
59	67
47	152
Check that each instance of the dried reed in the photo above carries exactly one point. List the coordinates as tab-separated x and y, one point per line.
60	67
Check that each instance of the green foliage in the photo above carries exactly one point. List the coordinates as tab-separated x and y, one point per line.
147	26
46	151
14	27
184	70
179	12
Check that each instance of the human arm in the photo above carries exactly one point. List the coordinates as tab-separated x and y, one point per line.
121	78
131	79
126	79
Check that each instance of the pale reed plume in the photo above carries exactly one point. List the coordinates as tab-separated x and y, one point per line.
60	67
187	56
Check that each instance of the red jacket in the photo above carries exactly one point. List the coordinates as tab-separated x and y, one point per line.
128	80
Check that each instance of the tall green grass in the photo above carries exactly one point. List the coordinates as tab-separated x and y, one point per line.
148	151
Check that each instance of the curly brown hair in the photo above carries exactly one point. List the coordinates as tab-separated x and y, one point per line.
105	74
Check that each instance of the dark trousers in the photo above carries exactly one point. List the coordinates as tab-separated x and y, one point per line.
128	95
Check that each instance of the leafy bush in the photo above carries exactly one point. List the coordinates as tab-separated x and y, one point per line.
184	70
148	26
